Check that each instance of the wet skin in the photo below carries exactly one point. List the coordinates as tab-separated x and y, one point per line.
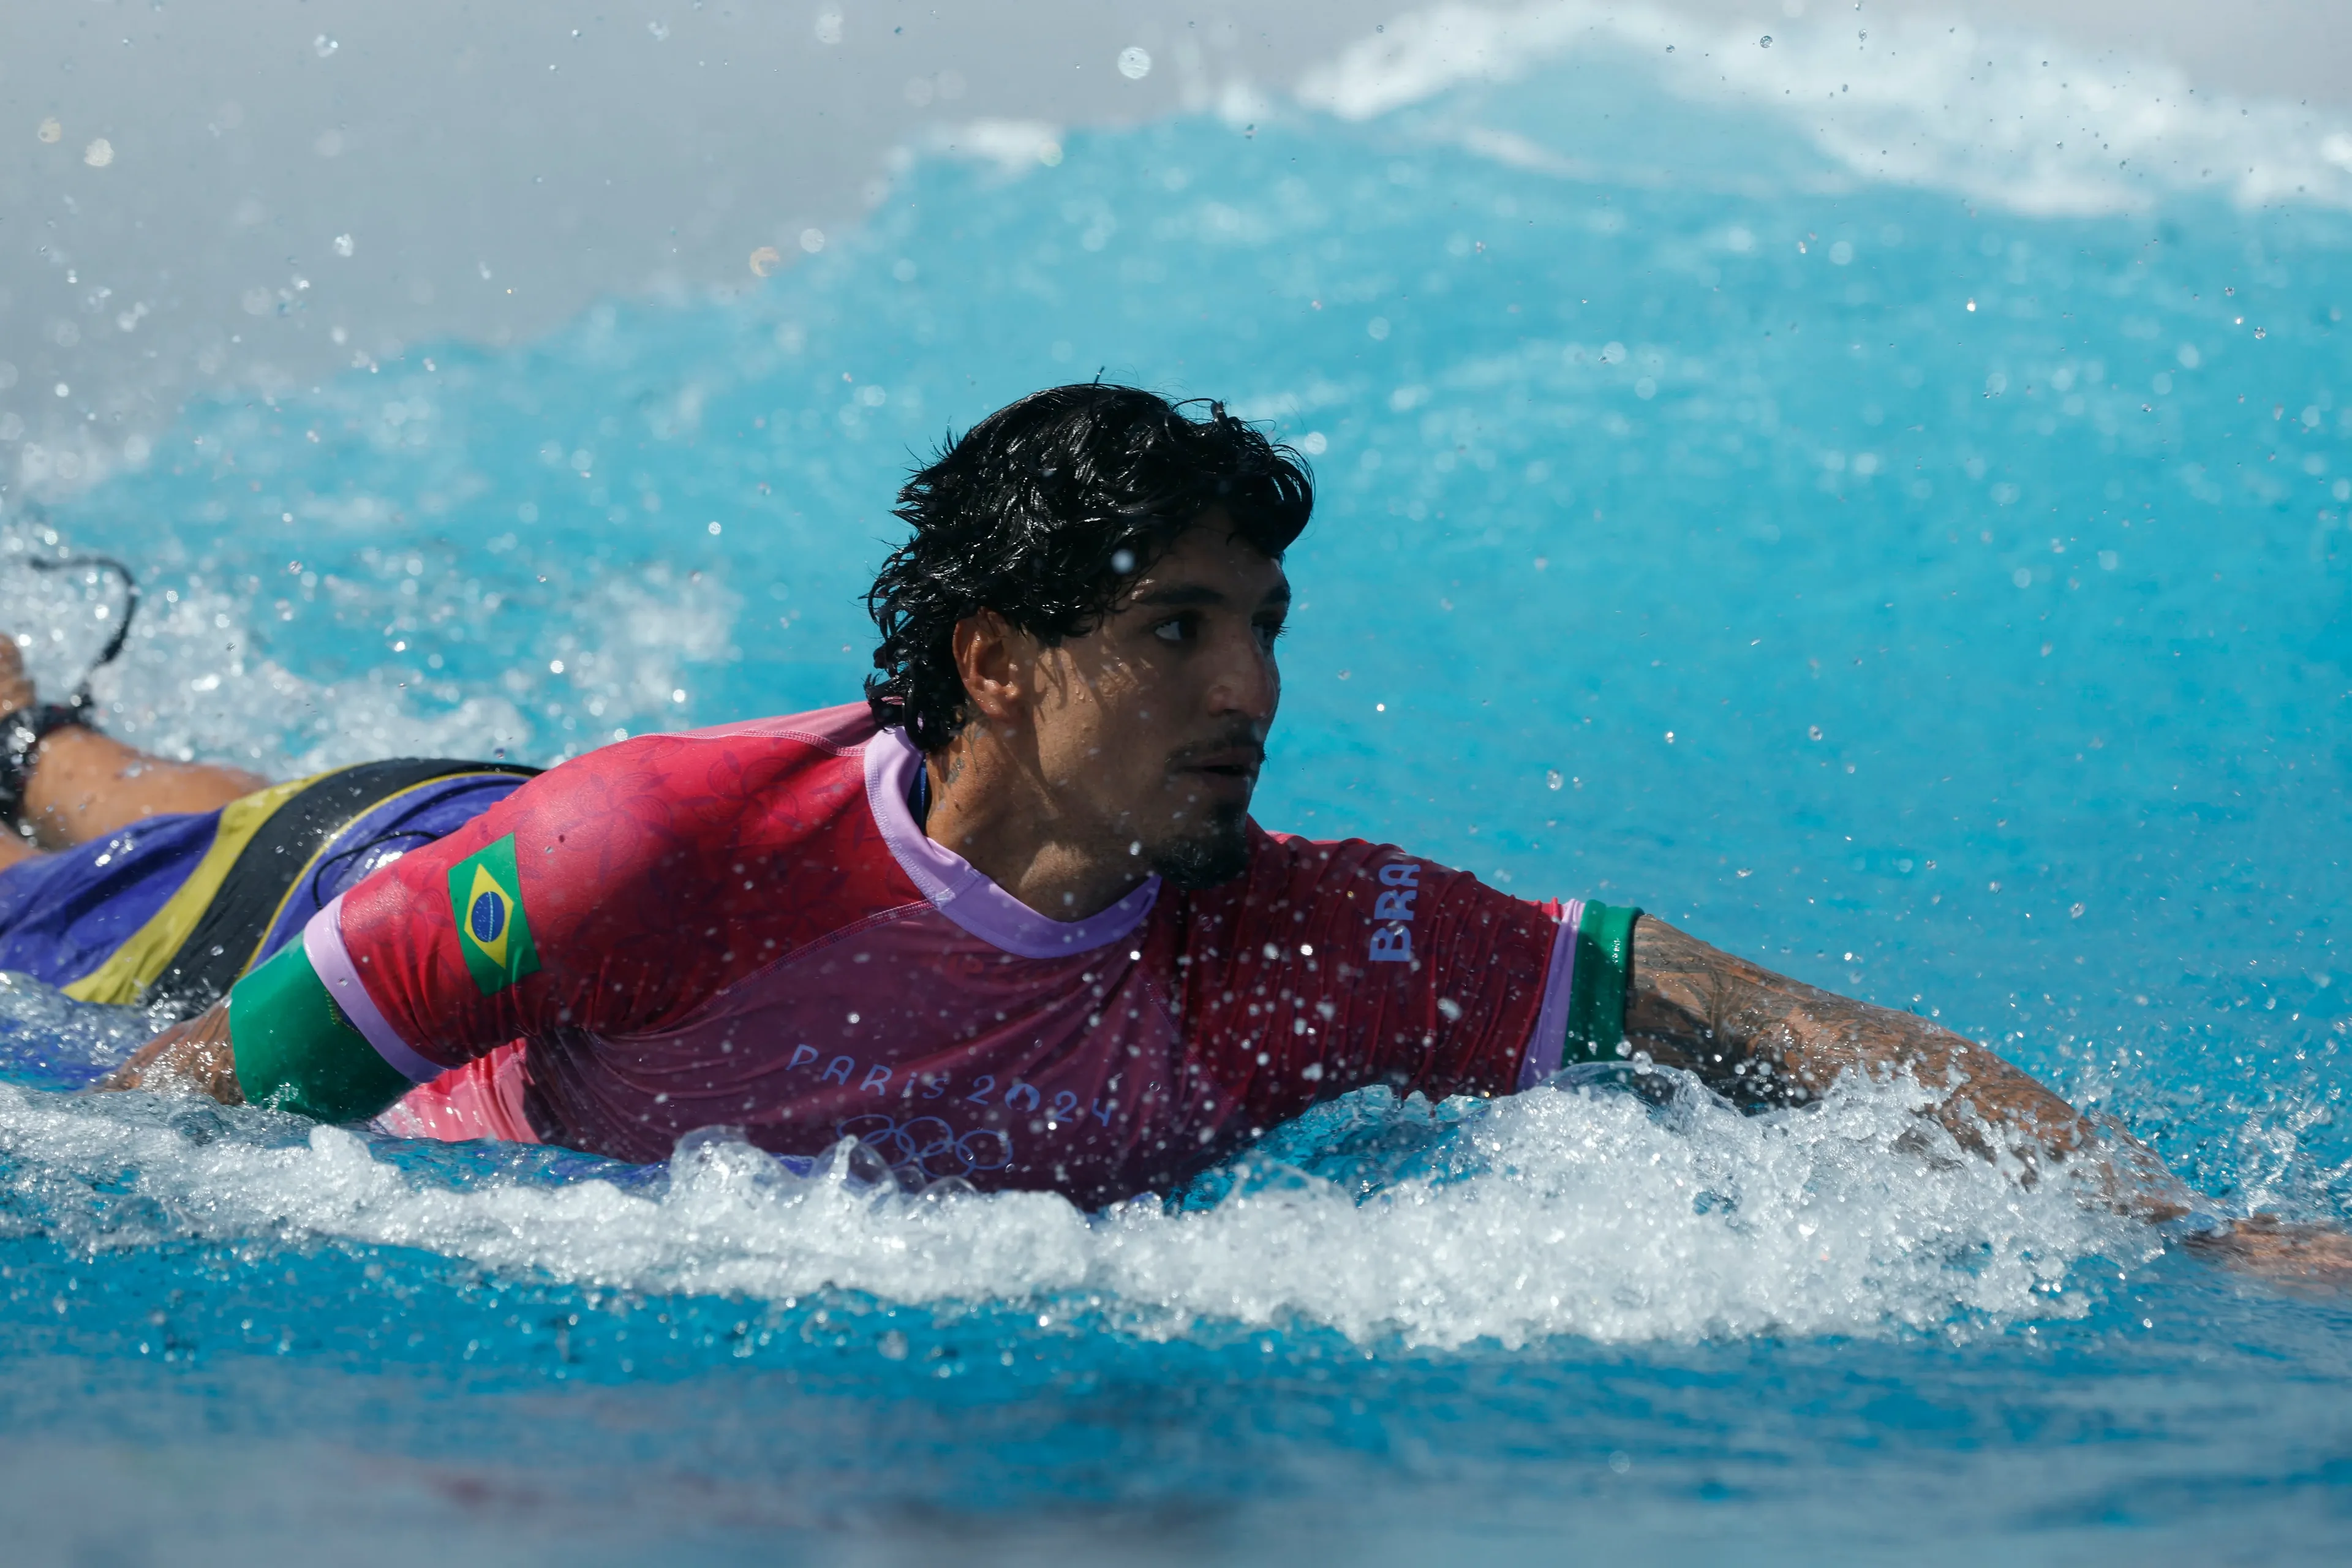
85	786
1086	766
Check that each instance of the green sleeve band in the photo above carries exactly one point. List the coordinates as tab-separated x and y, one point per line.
296	1051
1596	995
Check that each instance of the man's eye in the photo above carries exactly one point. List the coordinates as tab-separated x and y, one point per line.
1271	632
1177	630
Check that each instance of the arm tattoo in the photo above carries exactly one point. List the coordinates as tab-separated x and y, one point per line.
1760	1038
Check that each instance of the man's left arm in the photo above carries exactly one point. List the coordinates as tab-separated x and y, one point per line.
1762	1039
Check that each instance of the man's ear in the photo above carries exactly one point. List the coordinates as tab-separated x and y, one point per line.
991	660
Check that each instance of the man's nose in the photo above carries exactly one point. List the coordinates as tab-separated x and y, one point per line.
1248	684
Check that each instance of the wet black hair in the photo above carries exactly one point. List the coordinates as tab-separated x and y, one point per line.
1044	513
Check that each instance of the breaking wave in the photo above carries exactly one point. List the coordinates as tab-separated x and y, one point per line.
1999	117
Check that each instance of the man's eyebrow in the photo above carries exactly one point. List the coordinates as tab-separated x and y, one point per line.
1187	595
1179	595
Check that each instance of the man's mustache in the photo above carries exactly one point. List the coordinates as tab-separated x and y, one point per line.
1242	746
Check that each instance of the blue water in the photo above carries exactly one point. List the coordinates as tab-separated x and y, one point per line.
1933	595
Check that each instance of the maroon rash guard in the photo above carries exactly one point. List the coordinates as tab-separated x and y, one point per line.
746	927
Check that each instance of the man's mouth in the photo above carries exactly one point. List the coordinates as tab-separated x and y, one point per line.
1222	769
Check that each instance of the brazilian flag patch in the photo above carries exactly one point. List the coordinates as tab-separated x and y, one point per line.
493	931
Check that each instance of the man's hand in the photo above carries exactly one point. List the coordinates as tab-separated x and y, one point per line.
194	1056
1761	1039
2314	1256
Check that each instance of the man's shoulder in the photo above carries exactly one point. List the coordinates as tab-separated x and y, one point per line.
1288	878
835	732
749	778
835	736
1358	906
1287	870
1294	857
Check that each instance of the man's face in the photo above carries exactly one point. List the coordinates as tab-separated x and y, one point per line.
1150	730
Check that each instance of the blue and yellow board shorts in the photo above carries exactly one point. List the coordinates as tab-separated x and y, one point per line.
169	912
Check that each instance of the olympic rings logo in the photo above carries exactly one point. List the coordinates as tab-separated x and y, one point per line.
926	1147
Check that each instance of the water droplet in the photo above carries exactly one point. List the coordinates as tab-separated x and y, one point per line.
324	46
101	152
1135	62
766	259
1551	778
344	245
1765	42
50	131
812	240
660	30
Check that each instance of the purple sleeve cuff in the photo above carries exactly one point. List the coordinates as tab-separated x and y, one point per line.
322	945
1550	1037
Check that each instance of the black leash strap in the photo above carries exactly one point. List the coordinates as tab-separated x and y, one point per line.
22	730
77	701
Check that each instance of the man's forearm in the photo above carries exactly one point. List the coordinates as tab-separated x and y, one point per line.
277	1039
195	1054
1762	1039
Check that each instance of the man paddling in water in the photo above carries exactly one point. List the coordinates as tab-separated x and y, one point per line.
1007	920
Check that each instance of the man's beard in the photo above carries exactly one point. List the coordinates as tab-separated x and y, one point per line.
1214	853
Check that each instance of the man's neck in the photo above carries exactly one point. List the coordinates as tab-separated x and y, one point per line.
996	813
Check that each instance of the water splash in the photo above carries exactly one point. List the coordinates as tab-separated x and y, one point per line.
1583	1211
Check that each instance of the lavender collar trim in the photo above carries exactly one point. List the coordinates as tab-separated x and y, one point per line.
959	891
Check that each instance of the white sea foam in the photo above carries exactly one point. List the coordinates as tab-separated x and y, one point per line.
1998	117
1560	1212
